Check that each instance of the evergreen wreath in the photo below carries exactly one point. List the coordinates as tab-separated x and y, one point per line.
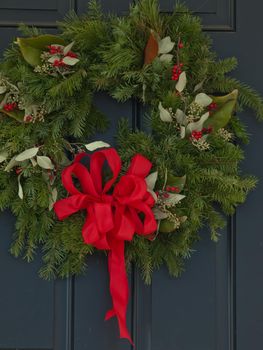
47	88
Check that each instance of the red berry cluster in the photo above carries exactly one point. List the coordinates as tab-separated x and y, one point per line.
207	130
212	106
172	189
72	54
196	135
10	106
58	63
177	71
53	49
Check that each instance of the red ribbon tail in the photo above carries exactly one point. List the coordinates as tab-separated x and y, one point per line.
119	288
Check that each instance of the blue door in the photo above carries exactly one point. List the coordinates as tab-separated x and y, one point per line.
217	304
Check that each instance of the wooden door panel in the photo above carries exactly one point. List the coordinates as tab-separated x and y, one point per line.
26	303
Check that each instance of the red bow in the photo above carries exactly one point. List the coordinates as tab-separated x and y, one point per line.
112	215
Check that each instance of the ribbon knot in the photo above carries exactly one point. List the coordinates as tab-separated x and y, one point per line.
114	215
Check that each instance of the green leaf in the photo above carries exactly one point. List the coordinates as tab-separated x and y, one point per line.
68	48
3	89
197	125
12	163
27	154
199	86
31	48
181	84
53	59
95	145
16	114
20	189
53	198
151	180
165	45
167	226
45	162
221	117
176	181
159	215
3	156
173	199
165	114
180	117
203	99
166	57
70	61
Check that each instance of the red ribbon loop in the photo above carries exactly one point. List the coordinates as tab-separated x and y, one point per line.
112	214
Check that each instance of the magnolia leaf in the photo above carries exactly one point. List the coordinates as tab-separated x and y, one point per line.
12	163
151	49
154	195
53	59
95	145
70	61
33	162
151	180
45	162
3	156
20	189
68	48
181	82
220	118
27	154
173	199
31	48
199	86
167	226
180	117
225	108
166	57
3	89
221	100
183	219
182	132
176	181
159	215
165	45
16	114
54	194
197	125
165	114
53	198
203	99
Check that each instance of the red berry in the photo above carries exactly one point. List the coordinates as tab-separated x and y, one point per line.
181	64
196	135
53	49
18	171
180	45
168	188
10	106
72	54
28	118
212	106
177	189
157	193
166	195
